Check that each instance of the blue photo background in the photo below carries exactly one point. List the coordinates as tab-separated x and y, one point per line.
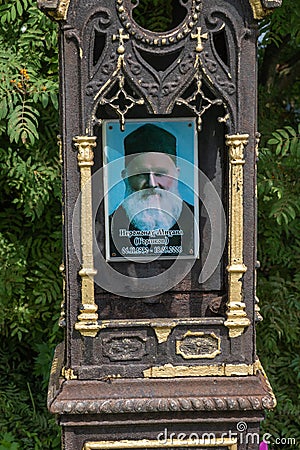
113	137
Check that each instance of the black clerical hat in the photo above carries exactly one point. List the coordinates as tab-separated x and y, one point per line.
150	138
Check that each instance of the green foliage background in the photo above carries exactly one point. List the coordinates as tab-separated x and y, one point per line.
30	225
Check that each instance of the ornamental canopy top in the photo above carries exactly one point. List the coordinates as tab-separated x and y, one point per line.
58	9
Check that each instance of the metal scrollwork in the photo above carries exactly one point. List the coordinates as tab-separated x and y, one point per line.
96	39
104	19
114	92
209	63
135	67
121	102
227	86
130	71
198	102
187	64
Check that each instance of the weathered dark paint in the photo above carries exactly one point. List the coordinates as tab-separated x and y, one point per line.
139	408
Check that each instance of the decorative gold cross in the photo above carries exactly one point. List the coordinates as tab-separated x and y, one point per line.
121	37
199	38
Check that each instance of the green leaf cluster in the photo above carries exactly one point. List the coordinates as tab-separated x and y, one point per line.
154	15
279	280
28	70
278	217
30	224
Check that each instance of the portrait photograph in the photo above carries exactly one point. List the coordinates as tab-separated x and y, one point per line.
151	189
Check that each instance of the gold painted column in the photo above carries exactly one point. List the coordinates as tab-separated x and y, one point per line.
237	319
88	318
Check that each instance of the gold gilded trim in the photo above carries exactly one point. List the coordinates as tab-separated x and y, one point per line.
161	327
262	370
59	144
199	38
222	370
103	96
258	11
160	323
237	319
54	366
68	374
121	38
87	323
61	11
162	332
117	78
230	443
62	318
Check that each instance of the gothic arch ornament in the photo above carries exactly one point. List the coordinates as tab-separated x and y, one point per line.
187	57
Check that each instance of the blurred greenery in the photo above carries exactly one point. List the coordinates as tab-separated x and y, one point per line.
278	217
30	225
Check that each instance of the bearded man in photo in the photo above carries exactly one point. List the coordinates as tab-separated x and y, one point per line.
152	219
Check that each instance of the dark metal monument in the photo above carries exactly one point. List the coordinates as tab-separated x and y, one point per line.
159	145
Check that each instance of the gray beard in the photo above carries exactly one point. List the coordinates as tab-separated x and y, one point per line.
153	208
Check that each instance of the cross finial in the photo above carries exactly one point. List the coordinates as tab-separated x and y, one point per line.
121	37
199	38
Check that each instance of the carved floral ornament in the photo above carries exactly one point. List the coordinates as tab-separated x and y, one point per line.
58	10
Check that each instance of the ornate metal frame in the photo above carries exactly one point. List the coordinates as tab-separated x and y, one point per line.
200	63
237	319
